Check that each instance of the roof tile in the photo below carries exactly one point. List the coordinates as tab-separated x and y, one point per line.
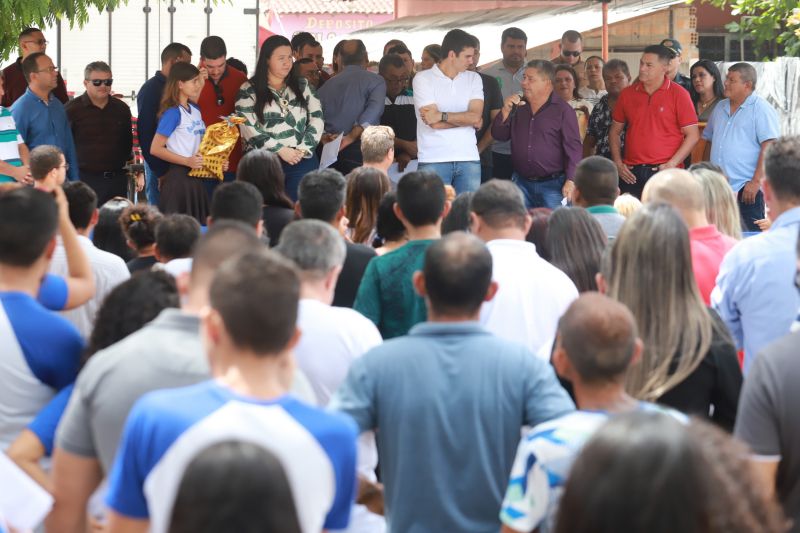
333	6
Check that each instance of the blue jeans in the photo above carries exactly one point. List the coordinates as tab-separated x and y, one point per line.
151	185
464	176
749	213
544	193
295	173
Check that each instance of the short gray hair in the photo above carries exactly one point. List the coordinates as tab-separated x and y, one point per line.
376	141
95	66
545	68
747	72
314	246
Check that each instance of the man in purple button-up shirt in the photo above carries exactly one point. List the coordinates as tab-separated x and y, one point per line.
545	140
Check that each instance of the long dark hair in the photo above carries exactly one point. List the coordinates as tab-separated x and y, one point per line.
263	169
234	486
108	234
260	79
567	68
711	68
576	242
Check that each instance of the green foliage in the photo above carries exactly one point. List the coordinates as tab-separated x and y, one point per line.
768	21
21	14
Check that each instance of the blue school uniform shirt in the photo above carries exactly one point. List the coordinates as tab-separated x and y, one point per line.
166	429
40	356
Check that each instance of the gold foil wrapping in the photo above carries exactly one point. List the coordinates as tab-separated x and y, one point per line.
217	145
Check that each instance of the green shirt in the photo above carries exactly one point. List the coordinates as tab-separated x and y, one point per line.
386	294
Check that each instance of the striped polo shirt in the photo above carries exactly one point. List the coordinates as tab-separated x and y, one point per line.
10	139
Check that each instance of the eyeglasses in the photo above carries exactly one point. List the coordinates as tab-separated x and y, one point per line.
218	92
48	69
573	53
98	83
65	166
40	42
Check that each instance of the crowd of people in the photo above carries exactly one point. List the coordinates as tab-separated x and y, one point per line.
514	302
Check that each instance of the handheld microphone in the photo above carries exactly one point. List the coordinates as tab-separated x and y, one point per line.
514	106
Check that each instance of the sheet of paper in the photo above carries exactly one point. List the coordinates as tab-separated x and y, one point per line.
394	171
330	152
23	503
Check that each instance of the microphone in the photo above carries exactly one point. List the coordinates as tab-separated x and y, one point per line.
514	106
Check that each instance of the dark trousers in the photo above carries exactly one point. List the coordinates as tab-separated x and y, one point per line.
749	213
642	173
106	185
502	167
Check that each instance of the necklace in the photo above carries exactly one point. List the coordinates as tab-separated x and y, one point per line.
704	105
282	100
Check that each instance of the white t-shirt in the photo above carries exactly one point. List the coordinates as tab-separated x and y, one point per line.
532	295
331	339
183	128
452	96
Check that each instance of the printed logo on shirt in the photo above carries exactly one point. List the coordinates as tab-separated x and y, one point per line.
197	127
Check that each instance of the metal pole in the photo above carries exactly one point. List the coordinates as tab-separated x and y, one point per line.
171	10
258	26
146	10
58	43
208	11
109	36
605	32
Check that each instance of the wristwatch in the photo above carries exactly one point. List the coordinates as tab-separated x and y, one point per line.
444	117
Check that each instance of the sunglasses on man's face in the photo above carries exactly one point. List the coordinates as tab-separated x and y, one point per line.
567	53
98	83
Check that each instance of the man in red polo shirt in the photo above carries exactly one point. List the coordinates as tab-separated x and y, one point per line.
660	119
31	40
218	97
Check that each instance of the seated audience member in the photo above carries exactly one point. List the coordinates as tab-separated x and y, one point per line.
48	167
321	196
333	337
386	294
30	335
532	293
457	218
722	209
767	421
755	295
390	230
176	235
234	486
431	55
166	353
249	346
263	169
398	111
689	361
365	188
679	189
627	204
597	341
108	269
238	201
616	77
377	148
139	223
596	189
108	235
576	242
537	234
453	382
659	475
127	308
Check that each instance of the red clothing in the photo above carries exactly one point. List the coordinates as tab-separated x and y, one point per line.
654	122
230	82
709	246
15	85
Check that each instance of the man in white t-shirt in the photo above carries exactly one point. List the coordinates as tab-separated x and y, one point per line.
331	337
109	270
532	294
448	100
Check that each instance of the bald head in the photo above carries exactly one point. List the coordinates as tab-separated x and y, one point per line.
457	272
598	335
353	52
681	190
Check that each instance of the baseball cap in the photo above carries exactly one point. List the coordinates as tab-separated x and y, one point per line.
673	45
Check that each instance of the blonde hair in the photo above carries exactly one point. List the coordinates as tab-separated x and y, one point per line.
722	209
627	204
376	141
365	189
651	272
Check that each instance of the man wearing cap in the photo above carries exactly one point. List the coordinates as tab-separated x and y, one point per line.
675	64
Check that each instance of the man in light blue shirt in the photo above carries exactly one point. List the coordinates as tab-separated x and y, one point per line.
740	129
755	293
40	116
449	399
351	101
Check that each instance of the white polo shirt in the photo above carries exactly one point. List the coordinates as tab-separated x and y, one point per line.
531	296
452	96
